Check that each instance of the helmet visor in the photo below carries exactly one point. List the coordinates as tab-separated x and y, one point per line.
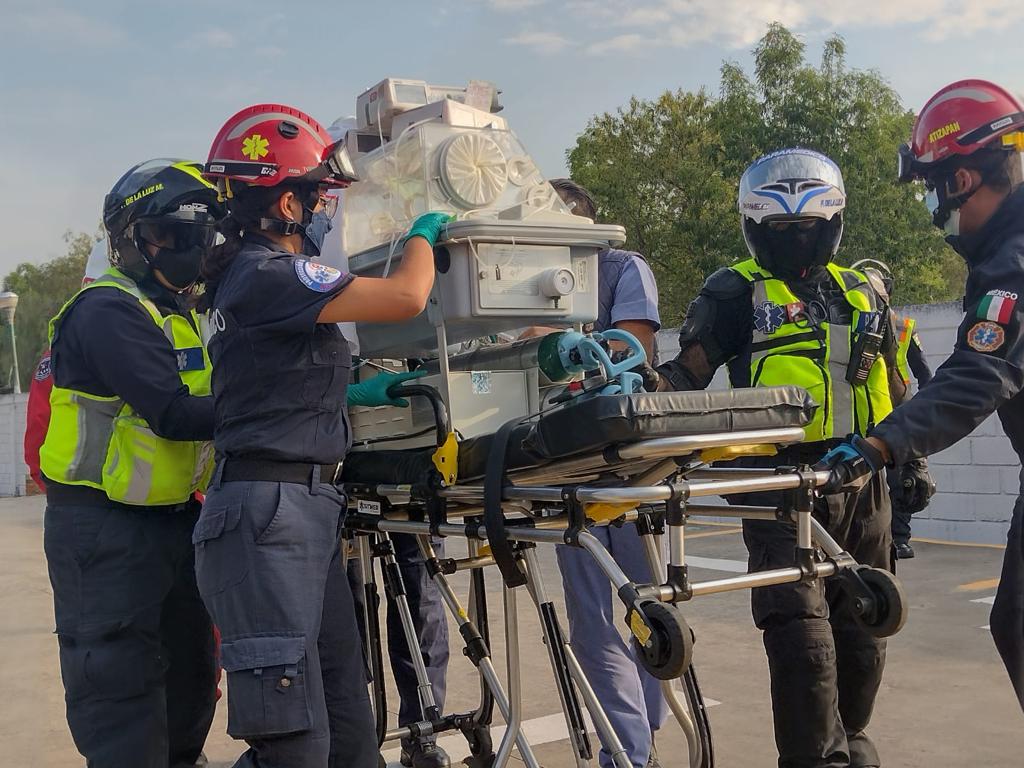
174	235
908	168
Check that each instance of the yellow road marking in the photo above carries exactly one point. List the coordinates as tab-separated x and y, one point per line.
705	534
979	586
960	543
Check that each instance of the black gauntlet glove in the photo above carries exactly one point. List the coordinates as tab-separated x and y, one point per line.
911	486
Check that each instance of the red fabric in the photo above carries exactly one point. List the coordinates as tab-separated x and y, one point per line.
38	419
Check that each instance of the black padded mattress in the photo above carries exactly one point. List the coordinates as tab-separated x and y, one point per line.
595	423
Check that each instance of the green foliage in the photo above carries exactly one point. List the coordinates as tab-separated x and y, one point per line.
42	290
668	169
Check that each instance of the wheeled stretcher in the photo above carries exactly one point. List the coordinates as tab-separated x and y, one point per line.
599	460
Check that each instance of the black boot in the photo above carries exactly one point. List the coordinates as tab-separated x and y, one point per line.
424	755
904	551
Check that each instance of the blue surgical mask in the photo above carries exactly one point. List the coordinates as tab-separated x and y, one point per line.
316	231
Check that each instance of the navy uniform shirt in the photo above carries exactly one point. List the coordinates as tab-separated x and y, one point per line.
985	372
108	345
279	376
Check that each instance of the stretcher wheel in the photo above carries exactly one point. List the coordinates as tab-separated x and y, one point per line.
671	648
883	612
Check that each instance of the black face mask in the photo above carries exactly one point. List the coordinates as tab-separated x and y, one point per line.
795	252
179	268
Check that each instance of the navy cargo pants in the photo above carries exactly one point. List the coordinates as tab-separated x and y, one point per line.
1007	619
136	644
269	568
825	669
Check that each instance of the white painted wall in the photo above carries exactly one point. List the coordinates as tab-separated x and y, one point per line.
13	469
978	478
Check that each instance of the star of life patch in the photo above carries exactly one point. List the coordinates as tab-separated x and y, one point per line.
315	276
986	337
768	317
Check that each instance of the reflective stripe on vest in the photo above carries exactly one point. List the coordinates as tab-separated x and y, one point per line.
787	349
904	337
101	442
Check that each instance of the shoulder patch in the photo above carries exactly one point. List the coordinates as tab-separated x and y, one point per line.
315	276
986	337
43	370
997	306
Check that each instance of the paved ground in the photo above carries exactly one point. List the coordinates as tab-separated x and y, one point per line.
945	700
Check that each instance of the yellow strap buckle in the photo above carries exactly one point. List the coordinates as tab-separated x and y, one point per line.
446	459
730	452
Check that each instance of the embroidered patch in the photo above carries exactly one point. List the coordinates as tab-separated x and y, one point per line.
997	306
794	311
190	359
315	276
986	337
768	317
43	369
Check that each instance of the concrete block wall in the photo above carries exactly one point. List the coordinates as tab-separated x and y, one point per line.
977	478
12	453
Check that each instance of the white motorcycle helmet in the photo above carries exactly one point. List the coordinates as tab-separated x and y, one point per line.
791	203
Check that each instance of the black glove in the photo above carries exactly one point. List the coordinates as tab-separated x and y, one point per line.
851	465
911	486
651	378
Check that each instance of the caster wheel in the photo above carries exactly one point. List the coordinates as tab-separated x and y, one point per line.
884	612
671	649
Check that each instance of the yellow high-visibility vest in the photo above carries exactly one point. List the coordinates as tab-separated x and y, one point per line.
101	442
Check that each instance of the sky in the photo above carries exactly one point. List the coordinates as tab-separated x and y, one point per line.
91	88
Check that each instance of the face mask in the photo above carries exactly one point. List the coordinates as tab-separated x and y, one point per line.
796	251
315	232
180	268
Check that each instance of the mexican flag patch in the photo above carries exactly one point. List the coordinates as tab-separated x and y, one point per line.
997	306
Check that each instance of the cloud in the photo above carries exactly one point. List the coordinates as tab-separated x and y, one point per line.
214	38
543	42
513	5
643	24
627	43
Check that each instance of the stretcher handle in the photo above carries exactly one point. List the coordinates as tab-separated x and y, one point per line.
436	404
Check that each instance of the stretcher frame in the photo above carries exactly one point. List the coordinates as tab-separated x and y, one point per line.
548	505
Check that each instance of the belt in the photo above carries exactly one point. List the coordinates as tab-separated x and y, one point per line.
84	496
256	470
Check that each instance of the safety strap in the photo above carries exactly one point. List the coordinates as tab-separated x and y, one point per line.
494	518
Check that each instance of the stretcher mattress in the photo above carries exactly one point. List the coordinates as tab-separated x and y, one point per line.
598	423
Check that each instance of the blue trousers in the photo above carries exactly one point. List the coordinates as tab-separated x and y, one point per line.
268	564
631	697
136	644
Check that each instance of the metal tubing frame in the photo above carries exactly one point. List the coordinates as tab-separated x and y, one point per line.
488	674
597	714
514	721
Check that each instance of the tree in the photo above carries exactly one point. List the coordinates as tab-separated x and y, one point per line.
668	169
42	290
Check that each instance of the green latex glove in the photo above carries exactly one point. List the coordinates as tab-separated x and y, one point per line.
429	226
374	392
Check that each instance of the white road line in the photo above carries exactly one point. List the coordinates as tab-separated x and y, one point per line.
717	564
985	600
539	730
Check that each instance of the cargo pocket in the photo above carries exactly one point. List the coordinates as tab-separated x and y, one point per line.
221	561
267	693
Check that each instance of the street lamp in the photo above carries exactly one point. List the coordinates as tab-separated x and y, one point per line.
8	303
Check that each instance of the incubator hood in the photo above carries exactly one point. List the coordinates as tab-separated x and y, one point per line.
515	255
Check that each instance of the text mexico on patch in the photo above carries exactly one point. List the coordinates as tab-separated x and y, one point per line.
997	306
315	276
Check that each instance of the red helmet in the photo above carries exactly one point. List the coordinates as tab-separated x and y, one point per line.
269	144
959	120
